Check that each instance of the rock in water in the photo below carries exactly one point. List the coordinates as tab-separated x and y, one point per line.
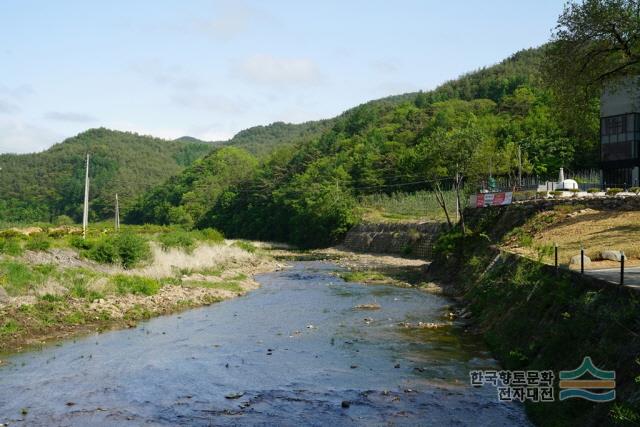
345	404
234	395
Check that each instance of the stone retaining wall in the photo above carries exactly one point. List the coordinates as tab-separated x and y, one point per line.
415	239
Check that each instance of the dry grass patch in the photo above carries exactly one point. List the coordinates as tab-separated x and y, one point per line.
597	231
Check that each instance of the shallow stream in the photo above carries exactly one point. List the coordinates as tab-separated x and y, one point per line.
289	353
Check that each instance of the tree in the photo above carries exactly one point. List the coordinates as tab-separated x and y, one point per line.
596	42
462	154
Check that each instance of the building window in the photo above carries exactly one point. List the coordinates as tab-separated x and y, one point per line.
619	137
614	125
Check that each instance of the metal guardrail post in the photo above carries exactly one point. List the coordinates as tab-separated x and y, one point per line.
555	247
581	260
622	269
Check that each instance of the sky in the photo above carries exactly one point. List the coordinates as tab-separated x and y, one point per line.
209	69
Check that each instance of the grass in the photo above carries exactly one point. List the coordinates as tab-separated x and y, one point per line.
406	206
228	285
363	276
10	246
137	285
18	278
188	240
596	231
247	246
38	242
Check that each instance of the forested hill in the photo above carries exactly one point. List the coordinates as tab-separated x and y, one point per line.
261	140
41	186
307	193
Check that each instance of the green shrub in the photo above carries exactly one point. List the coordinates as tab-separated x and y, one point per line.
126	248
178	239
38	242
10	246
557	193
103	251
613	191
211	235
132	249
575	190
635	190
137	285
79	243
593	190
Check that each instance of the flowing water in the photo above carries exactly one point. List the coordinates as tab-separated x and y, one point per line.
289	353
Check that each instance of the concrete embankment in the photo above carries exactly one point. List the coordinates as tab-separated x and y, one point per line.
414	239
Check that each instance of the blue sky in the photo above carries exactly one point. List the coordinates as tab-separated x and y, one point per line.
212	68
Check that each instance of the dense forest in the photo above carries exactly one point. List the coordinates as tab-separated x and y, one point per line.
43	186
305	191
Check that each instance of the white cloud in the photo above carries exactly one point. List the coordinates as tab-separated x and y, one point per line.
19	137
270	70
69	117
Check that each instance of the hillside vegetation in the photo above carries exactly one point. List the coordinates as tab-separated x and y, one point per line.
42	186
306	193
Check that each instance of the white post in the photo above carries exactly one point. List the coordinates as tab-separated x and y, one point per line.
117	214
85	214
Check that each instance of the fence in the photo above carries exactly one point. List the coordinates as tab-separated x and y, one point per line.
586	179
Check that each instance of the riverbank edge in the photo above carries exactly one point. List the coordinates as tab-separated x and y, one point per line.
76	317
534	318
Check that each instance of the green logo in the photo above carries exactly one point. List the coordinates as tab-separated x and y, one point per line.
573	387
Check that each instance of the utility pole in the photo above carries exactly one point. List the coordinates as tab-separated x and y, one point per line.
519	166
457	197
85	213
117	214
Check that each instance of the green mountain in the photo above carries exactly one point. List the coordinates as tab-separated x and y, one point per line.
262	140
305	190
41	186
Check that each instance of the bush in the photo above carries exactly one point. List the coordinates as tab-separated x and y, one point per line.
132	249
79	243
593	190
575	190
613	191
557	193
137	285
212	235
103	251
178	239
38	242
635	190
126	248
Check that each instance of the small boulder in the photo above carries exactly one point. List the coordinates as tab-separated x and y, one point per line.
575	260
345	404
4	297
612	255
